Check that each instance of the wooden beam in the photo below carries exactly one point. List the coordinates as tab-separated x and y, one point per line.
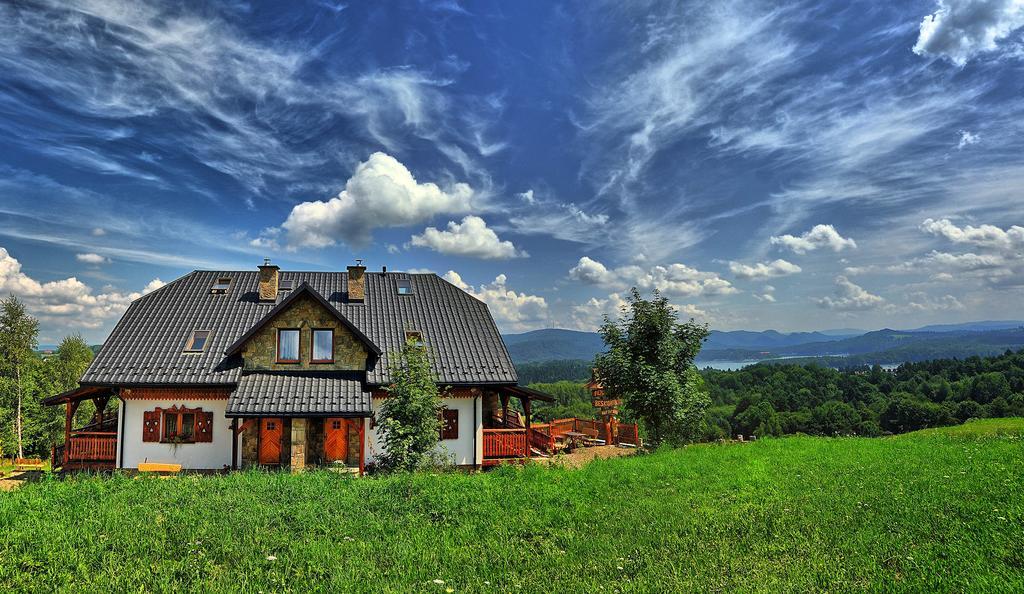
526	410
504	409
245	425
234	444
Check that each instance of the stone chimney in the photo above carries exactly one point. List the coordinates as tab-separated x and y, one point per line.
357	282
268	281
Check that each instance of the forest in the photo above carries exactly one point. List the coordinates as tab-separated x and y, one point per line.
772	399
27	427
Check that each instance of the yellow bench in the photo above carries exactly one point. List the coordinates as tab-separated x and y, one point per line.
159	467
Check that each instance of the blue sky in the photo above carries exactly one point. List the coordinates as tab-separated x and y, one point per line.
765	165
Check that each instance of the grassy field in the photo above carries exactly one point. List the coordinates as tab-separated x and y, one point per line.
939	510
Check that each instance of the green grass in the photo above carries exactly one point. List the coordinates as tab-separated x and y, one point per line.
939	510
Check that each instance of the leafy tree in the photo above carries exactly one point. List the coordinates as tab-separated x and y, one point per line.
409	415
649	365
760	420
18	340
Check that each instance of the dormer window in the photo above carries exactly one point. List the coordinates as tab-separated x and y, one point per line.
323	346
221	286
404	286
288	345
197	342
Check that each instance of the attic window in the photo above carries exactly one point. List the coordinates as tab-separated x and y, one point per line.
197	342
404	286
221	286
285	285
415	337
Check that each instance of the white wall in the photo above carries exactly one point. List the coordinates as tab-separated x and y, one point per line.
466	450
214	455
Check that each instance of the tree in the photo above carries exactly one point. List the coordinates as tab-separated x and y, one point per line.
409	415
18	333
649	365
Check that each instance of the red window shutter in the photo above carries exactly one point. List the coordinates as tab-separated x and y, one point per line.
204	426
151	425
449	424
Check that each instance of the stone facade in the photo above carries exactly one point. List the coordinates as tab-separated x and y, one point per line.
306	313
298	449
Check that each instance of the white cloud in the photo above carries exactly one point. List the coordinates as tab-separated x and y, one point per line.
590	314
768	296
967	139
98	231
961	29
527	197
820	236
512	310
382	192
673	280
923	302
92	258
850	297
987	236
472	237
764	270
68	303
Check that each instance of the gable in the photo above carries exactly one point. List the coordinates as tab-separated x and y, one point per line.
305	313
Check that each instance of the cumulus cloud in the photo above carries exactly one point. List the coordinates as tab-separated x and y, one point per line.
850	297
382	192
512	310
92	258
472	237
961	29
820	236
768	296
986	236
924	302
673	280
764	270
68	302
590	314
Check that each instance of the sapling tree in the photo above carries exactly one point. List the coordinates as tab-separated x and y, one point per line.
649	366
409	416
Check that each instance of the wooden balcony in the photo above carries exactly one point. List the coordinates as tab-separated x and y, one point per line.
505	444
86	450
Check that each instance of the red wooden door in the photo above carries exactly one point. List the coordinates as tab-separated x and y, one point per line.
270	441
336	439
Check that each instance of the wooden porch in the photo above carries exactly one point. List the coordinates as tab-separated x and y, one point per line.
511	438
92	447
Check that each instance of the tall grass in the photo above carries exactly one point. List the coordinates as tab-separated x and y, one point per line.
936	510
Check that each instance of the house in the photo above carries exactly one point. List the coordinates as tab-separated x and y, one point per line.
225	370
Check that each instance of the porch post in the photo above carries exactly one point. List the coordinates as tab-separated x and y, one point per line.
234	444
526	409
362	446
504	409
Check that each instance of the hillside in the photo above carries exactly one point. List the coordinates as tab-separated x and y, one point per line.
551	344
931	511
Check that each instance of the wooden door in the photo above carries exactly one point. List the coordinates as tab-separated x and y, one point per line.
335	439
270	441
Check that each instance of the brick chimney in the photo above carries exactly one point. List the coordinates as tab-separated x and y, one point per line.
357	282
268	281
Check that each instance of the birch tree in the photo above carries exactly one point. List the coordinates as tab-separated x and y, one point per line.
18	339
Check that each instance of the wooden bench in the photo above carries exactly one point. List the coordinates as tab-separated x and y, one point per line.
25	464
159	467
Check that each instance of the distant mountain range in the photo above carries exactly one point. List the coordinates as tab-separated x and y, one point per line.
882	346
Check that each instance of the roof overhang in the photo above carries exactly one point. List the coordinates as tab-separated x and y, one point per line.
299	394
78	394
529	393
303	289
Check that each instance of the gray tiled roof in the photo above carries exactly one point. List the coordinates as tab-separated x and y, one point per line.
299	394
146	345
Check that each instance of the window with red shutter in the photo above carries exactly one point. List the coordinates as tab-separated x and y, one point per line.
151	425
449	424
204	427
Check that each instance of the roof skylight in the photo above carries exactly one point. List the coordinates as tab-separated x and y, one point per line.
221	286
